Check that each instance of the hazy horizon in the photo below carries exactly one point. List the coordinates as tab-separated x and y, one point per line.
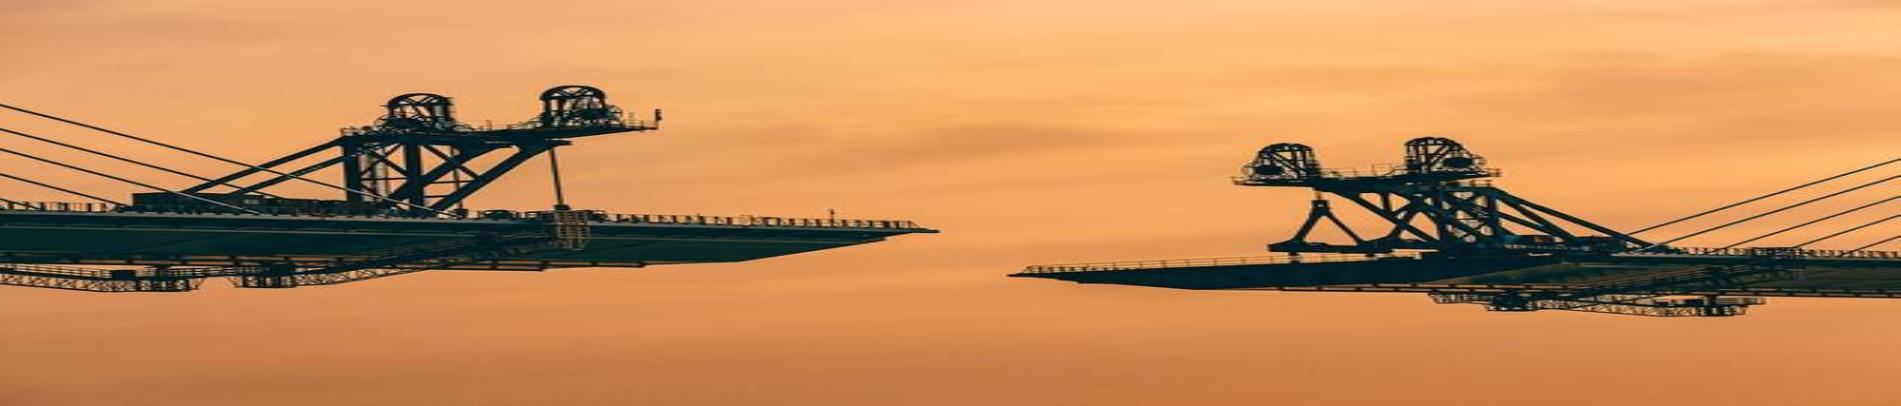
1041	131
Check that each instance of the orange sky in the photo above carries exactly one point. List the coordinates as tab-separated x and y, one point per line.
1029	131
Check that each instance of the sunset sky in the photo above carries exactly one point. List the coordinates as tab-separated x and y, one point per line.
1029	131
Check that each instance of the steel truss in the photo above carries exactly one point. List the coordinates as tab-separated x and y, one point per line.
418	155
1429	203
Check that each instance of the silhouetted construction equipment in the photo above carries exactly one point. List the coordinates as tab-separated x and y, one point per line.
405	180
1448	232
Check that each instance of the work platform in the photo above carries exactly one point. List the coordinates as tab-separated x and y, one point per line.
1692	283
169	252
1821	269
231	239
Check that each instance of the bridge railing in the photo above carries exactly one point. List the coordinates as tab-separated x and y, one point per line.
59	270
1383	171
88	207
1705	251
1743	252
1392	170
1208	262
627	122
598	216
748	221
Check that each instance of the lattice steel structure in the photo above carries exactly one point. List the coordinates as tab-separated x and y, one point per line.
420	160
1434	201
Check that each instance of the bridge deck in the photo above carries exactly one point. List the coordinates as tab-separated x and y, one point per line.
1863	274
105	237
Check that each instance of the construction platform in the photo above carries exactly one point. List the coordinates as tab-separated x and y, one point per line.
231	239
1821	272
1683	284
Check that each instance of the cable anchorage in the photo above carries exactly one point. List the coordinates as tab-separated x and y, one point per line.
124	180
217	158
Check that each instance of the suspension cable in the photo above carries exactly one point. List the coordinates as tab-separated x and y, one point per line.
134	182
1810	222
219	158
1757	198
118	158
1875	244
1849	230
1778	210
67	191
